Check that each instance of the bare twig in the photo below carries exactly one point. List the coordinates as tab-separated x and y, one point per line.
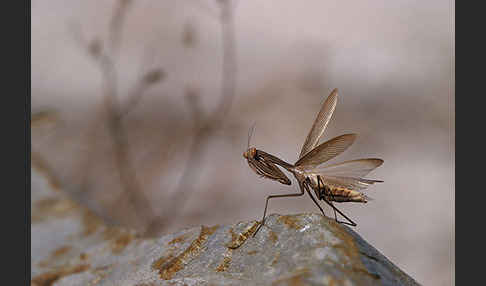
116	26
105	59
205	129
228	80
193	100
130	184
205	126
135	96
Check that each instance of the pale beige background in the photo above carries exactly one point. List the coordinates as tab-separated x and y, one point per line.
391	60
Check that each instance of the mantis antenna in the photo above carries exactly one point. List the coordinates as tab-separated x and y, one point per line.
250	133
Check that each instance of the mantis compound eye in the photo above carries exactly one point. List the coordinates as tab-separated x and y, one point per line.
250	153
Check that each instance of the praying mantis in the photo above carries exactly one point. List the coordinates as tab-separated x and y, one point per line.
341	182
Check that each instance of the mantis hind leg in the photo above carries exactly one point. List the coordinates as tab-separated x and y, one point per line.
351	223
312	197
321	196
276	196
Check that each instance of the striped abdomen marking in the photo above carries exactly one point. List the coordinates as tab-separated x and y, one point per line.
330	192
340	195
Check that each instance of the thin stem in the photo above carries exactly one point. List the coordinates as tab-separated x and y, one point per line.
130	184
116	26
207	128
228	80
131	187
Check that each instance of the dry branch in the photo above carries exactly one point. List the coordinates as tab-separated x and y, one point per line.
115	109
205	128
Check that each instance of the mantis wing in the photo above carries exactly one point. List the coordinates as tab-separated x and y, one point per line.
320	123
354	168
347	182
326	151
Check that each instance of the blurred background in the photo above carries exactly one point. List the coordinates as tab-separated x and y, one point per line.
141	110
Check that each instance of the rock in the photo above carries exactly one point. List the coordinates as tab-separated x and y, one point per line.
72	246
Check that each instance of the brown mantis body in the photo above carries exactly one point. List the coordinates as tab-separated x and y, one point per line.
340	182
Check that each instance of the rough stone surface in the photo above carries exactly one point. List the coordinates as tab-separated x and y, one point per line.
72	246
